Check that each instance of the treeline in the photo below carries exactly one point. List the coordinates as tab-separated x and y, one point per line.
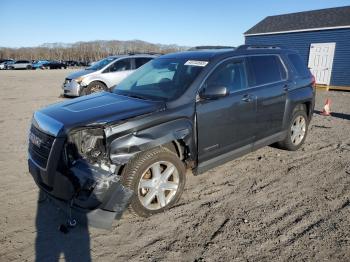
86	51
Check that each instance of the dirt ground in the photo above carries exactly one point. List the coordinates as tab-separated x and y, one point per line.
268	205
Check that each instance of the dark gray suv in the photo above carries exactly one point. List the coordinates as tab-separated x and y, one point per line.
190	110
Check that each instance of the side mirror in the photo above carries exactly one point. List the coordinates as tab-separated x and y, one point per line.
214	92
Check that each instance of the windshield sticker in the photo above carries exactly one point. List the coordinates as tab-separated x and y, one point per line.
196	63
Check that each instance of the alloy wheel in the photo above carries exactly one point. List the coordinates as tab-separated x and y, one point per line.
96	88
158	185
298	130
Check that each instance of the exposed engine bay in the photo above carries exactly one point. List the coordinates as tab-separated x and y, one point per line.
88	145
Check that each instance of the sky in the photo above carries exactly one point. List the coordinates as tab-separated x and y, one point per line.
183	22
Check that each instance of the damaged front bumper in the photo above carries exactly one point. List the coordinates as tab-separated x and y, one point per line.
89	190
71	88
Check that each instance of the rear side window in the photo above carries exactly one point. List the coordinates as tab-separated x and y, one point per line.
299	65
265	69
141	61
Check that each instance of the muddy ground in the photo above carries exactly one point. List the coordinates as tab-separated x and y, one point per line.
268	205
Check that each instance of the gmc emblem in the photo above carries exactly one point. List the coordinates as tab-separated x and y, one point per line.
34	139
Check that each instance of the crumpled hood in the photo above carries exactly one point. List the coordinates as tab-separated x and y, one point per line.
79	73
96	109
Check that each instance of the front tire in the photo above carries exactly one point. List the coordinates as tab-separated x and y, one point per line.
157	178
94	87
297	130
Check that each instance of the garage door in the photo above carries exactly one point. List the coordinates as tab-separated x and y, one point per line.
321	61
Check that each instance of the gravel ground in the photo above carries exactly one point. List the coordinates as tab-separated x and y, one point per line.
268	205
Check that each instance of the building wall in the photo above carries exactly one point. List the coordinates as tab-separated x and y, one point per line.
301	42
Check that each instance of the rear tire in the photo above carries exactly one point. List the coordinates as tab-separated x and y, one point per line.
297	130
157	178
29	67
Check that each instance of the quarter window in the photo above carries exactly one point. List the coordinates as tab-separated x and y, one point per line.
299	65
265	69
230	74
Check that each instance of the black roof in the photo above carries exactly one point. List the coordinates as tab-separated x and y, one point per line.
211	54
206	55
209	47
316	19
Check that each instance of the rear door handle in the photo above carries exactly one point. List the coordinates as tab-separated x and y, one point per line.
286	87
247	98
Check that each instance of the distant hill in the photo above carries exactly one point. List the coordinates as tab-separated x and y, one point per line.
86	51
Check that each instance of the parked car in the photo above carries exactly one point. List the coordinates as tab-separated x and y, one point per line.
103	75
2	65
40	64
4	62
190	110
84	63
71	63
54	65
20	64
8	64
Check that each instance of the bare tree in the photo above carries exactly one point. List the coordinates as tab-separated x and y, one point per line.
86	51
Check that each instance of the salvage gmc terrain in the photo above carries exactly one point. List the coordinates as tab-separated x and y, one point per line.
102	153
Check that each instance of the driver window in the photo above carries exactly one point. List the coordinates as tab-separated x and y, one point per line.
230	74
121	65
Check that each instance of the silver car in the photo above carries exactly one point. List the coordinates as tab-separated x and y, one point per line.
103	75
20	64
3	64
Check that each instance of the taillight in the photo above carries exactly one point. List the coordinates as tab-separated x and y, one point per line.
313	81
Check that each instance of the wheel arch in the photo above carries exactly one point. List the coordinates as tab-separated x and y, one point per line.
95	81
296	98
84	85
179	147
309	109
179	140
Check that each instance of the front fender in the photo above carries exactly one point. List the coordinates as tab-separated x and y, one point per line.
92	78
125	147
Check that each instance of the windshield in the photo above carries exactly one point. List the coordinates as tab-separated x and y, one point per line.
101	64
161	79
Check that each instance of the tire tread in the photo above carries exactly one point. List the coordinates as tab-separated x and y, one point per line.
131	169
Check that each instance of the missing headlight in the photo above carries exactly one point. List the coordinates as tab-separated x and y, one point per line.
87	144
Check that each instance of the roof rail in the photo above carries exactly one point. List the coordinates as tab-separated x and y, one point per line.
249	47
144	53
208	47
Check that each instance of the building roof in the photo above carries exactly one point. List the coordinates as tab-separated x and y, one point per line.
323	19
